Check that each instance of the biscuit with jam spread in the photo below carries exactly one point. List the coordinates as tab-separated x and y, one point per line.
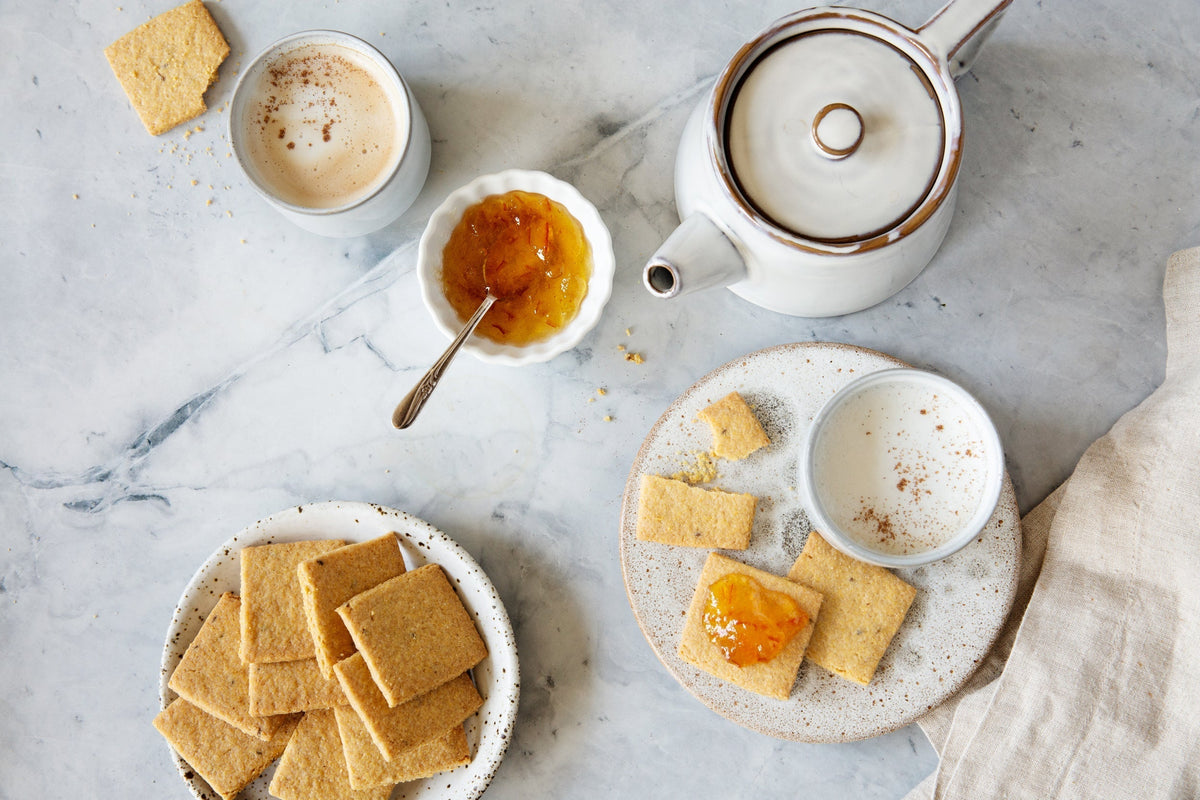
773	678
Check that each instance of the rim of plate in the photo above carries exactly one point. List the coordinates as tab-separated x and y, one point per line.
491	728
442	223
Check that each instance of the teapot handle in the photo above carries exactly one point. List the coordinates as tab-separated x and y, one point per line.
959	29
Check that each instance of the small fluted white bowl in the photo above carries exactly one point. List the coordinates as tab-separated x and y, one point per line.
446	217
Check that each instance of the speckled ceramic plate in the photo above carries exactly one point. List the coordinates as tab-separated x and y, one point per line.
961	602
496	677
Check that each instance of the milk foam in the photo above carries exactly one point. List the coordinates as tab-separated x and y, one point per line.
900	467
323	129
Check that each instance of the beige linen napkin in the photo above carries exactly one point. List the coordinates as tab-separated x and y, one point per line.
1093	690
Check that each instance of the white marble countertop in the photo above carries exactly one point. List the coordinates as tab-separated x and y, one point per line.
172	369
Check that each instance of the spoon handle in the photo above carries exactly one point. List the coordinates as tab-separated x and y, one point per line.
414	401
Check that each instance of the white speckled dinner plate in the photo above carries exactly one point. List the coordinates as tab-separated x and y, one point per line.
961	602
496	677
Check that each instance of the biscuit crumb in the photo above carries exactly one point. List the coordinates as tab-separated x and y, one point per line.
608	418
602	391
629	331
703	470
636	358
74	197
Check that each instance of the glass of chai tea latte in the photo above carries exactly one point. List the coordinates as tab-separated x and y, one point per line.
329	133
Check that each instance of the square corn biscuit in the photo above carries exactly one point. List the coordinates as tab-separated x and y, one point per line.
396	729
285	687
313	766
333	578
226	758
274	627
212	676
368	768
413	632
672	512
165	65
736	431
864	607
773	678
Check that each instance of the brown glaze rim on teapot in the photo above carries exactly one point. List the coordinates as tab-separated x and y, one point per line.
935	73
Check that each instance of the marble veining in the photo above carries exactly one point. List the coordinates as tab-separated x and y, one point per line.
176	361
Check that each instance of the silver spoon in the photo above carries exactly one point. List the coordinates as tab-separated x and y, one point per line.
508	285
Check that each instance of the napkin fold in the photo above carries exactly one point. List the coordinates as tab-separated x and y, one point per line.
1093	689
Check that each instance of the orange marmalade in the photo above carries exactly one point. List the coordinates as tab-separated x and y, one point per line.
532	254
749	622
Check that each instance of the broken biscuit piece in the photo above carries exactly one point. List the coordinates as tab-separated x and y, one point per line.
165	65
736	431
672	512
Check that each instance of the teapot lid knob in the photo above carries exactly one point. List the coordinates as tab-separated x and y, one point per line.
837	130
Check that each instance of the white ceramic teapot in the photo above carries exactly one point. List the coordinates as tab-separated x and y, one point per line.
819	176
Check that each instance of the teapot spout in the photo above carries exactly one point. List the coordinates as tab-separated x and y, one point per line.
697	255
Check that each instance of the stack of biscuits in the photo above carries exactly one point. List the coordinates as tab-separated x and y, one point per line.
351	670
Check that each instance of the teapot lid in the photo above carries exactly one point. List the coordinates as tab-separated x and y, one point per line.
835	135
